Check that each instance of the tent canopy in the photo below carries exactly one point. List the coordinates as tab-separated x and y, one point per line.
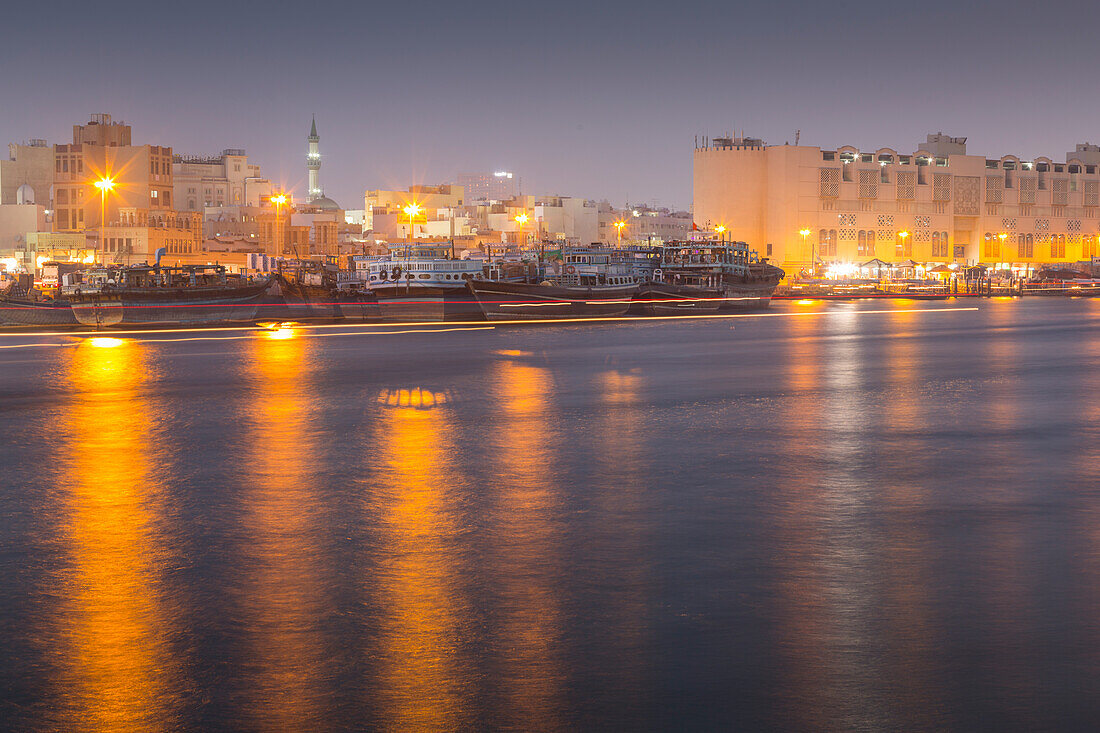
876	263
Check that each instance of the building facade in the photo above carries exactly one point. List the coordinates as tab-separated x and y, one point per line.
937	204
219	180
495	186
26	177
142	175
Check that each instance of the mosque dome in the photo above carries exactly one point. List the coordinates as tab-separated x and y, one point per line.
324	203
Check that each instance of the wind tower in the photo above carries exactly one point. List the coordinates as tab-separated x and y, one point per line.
313	162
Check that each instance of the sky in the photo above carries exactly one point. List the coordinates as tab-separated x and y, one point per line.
600	100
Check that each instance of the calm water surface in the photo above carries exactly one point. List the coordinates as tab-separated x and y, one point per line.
842	516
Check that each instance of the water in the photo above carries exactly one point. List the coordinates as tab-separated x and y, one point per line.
869	516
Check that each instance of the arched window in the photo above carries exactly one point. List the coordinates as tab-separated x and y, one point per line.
861	246
871	242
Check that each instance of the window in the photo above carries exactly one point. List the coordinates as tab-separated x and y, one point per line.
867	158
939	244
903	246
828	155
865	244
1058	245
993	164
826	243
904	160
941	162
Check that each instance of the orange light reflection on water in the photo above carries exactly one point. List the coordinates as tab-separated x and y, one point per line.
527	550
283	593
422	679
118	669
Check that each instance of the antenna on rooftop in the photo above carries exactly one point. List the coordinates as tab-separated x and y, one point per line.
797	134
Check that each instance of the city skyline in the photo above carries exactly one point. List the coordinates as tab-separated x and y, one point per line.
600	103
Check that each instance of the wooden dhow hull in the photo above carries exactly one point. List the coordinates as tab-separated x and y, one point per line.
504	301
169	306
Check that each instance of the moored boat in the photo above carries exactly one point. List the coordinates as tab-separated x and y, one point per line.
744	280
421	282
586	283
154	295
21	304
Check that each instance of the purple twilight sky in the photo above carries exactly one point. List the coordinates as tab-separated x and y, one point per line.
601	100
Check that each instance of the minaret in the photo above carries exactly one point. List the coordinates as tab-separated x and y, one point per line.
313	162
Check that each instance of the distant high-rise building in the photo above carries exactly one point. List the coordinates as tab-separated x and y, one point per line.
495	186
313	163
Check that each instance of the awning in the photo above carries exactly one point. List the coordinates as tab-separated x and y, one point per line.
907	264
941	268
876	263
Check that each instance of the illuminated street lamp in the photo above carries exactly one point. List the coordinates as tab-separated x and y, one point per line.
720	230
105	186
278	200
619	229
904	236
1000	250
813	259
521	219
412	210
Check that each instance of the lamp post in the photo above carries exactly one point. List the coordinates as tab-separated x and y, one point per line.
813	260
904	236
278	200
619	230
105	186
412	210
521	219
720	230
1000	250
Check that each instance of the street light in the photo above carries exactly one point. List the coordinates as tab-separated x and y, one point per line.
813	259
904	235
619	230
521	219
412	210
278	200
105	186
720	230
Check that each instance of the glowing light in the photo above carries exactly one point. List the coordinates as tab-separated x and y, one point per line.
104	342
841	270
804	232
105	184
413	209
279	199
88	259
619	225
10	264
903	235
720	228
279	334
521	219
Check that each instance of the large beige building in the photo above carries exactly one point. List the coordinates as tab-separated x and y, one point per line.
26	177
936	204
220	180
142	175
